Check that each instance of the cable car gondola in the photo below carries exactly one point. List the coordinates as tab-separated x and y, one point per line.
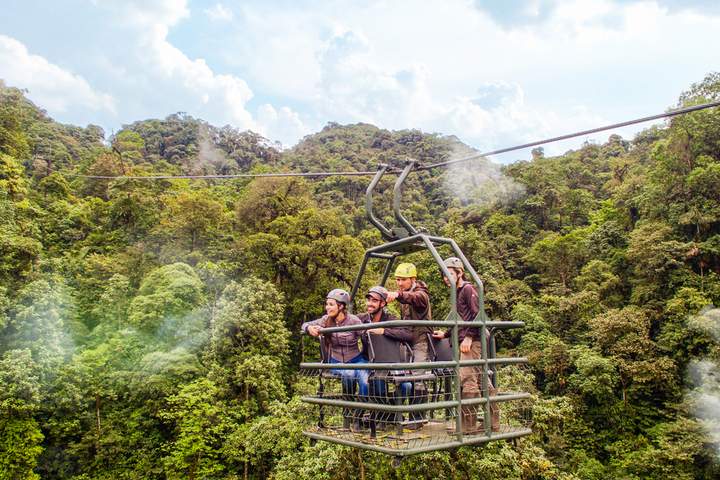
393	419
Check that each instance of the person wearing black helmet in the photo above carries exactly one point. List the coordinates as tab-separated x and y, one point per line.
342	346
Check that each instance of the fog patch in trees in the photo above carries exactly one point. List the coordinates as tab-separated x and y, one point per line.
704	376
480	181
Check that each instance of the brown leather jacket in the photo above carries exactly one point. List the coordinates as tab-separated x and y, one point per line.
467	308
415	305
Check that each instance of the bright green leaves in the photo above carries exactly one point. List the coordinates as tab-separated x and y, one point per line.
12	177
20	435
250	343
192	217
201	423
559	257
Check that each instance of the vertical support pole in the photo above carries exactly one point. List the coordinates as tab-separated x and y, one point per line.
493	354
358	278
384	231
388	269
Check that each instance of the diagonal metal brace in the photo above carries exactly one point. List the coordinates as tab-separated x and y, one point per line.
384	231
397	196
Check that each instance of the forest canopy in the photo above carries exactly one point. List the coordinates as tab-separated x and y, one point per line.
151	329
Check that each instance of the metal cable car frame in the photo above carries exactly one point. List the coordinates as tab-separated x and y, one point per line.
401	241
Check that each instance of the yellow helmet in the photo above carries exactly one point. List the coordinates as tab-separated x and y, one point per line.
406	270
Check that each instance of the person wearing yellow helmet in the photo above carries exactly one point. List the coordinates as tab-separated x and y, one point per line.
414	300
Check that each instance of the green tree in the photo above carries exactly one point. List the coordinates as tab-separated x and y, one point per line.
20	435
171	291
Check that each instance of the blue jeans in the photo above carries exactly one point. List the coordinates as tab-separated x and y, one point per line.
380	388
350	376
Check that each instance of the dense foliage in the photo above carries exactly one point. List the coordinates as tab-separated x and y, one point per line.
149	329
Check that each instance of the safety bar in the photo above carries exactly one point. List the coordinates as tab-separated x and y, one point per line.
412	365
419	407
497	324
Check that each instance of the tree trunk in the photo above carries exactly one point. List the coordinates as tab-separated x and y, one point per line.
97	416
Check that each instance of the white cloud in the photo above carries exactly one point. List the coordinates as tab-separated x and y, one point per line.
219	12
193	86
223	97
462	67
147	12
49	85
190	84
283	125
429	65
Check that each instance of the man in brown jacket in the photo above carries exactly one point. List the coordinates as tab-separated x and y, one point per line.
414	300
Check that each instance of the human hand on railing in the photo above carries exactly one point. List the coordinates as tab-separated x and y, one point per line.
313	330
391	296
466	344
377	331
439	334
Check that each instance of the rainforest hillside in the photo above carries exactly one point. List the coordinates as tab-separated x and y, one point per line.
150	329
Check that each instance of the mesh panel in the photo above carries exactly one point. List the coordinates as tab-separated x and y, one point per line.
402	410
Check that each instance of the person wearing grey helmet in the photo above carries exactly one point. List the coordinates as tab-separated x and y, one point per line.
343	346
468	307
375	303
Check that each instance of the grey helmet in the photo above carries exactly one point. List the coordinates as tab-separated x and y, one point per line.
454	262
379	291
340	296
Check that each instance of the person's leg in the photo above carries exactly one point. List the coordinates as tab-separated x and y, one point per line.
419	394
378	389
470	386
347	380
361	376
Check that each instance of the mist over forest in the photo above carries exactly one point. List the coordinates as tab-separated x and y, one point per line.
151	329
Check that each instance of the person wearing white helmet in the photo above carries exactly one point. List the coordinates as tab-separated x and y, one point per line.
468	307
343	346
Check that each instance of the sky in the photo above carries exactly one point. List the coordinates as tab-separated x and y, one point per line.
492	73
